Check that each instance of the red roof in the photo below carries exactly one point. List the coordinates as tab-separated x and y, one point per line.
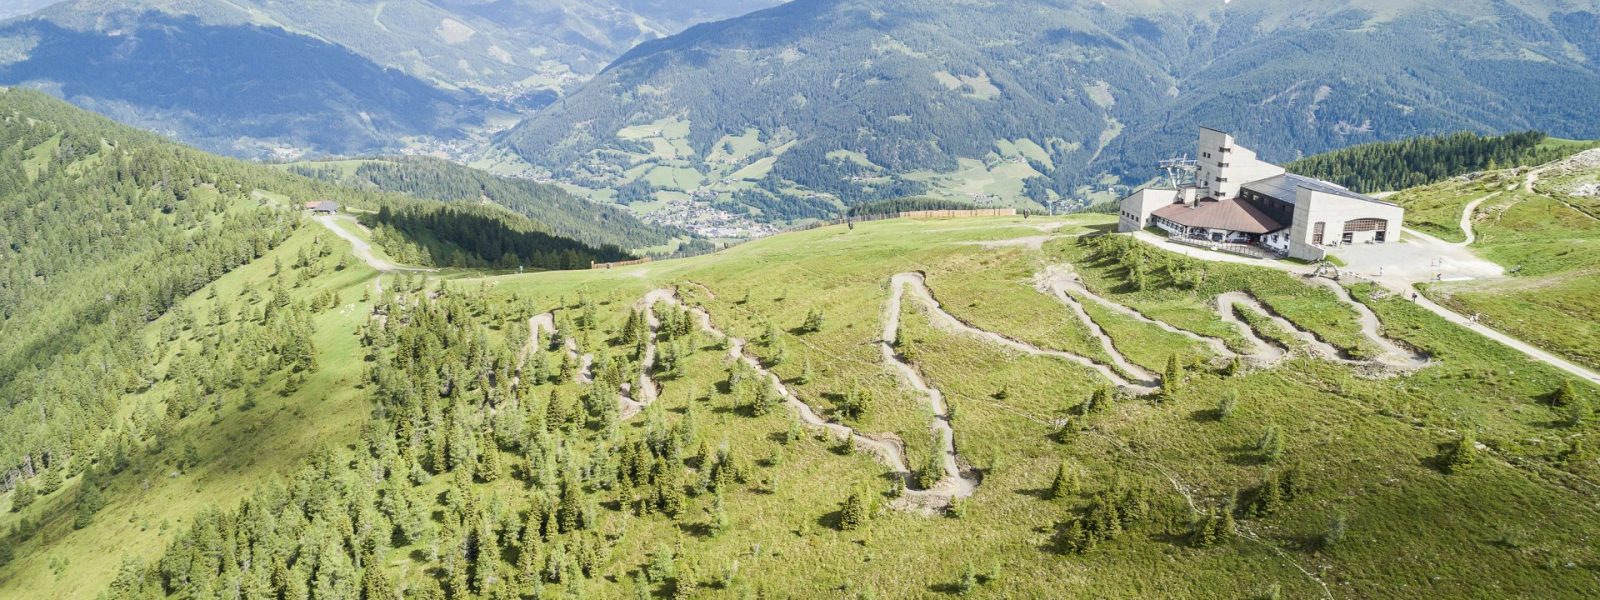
1231	214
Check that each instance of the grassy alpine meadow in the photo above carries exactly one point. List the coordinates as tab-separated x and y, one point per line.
429	449
1546	240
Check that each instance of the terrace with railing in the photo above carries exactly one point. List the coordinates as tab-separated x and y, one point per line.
1249	250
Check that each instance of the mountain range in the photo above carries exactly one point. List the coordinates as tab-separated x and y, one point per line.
289	77
857	99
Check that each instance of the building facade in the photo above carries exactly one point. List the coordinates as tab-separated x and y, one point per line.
1237	198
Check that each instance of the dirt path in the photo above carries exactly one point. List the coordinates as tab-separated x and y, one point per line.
547	322
1230	302
1060	281
885	447
947	322
1392	354
956	482
1472	207
644	390
360	247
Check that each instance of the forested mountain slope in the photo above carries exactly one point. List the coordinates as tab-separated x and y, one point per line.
560	212
865	98
104	228
286	77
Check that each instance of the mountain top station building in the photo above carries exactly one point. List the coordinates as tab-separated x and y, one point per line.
1244	203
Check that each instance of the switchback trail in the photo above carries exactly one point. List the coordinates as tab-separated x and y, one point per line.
547	322
644	390
1060	281
949	323
888	448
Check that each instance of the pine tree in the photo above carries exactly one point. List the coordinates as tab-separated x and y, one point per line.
1172	380
1566	394
814	321
1335	532
969	581
1065	484
1270	445
22	495
376	585
488	459
854	512
1463	455
1227	405
932	470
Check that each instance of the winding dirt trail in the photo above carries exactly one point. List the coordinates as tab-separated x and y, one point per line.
643	390
547	322
1230	302
947	322
1471	208
1060	281
887	448
956	482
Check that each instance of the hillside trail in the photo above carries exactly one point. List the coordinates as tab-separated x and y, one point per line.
1532	352
944	321
1063	283
1471	208
644	390
887	448
547	322
361	248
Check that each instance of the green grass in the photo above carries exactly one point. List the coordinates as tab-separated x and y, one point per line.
1366	445
1547	242
155	499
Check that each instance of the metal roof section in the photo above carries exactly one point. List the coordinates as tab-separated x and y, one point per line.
1284	187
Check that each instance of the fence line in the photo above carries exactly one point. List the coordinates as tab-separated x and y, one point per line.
914	214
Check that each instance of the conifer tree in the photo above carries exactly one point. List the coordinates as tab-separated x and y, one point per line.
22	495
1065	484
1463	455
1566	394
1172	379
854	512
814	321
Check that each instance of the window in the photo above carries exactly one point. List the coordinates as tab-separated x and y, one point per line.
1206	154
1348	238
1316	233
1221	179
1366	225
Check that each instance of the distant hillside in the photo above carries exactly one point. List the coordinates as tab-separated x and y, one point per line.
1415	162
559	212
12	8
286	78
237	89
863	99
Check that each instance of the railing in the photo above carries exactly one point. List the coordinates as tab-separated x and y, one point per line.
1249	250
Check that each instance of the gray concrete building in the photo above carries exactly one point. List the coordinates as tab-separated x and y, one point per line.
1237	199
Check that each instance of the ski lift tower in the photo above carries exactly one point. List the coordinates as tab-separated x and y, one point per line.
1180	171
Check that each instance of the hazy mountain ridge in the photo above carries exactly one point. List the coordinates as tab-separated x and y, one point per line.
284	78
920	85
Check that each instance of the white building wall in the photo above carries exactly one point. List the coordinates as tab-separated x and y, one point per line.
1223	166
1333	212
1136	208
